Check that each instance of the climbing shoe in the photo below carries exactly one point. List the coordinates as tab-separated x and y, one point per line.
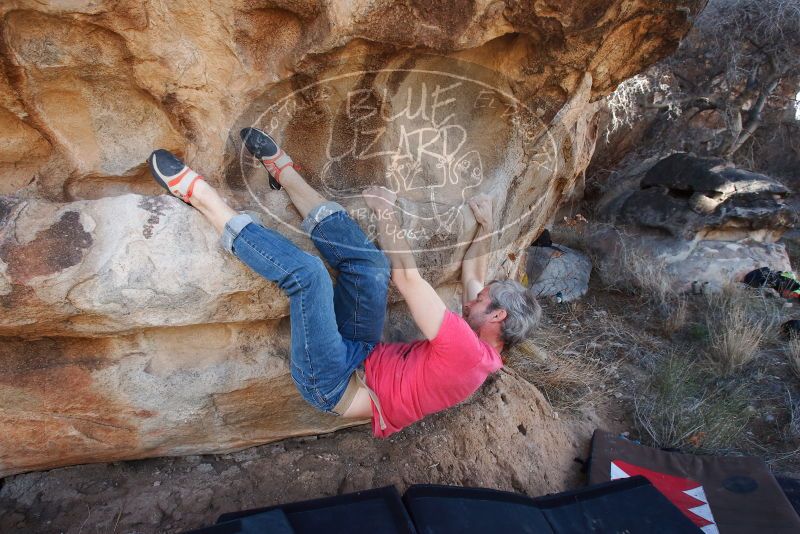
172	174
267	151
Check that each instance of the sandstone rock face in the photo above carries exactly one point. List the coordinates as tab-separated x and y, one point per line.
126	332
119	265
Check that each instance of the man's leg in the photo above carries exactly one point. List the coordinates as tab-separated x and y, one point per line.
210	204
362	284
303	196
320	357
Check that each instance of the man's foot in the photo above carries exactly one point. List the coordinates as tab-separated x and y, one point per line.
263	147
172	174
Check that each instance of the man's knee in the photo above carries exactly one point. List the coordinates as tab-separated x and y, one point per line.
308	273
308	391
313	269
378	261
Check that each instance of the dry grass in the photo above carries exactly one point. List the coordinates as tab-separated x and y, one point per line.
630	270
569	382
792	429
575	357
793	354
678	315
597	333
608	345
738	321
682	407
734	341
718	396
648	279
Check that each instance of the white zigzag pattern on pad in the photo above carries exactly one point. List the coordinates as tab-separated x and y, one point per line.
704	510
617	473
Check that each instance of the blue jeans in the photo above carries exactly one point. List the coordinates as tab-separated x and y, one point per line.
333	328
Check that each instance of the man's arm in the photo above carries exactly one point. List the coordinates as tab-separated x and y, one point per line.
476	260
427	308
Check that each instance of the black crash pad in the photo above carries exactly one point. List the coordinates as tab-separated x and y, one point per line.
791	488
367	512
450	509
272	522
632	506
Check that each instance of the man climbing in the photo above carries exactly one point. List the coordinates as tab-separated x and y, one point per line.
337	360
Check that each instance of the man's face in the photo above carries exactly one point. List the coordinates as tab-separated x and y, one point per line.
476	311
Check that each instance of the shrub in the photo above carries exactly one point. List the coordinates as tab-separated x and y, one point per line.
737	321
682	407
677	315
640	274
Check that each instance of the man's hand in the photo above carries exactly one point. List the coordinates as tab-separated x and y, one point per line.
379	198
482	209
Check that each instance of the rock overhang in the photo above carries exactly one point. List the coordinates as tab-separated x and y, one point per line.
87	91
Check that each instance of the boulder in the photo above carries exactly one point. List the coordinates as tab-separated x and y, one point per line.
22	150
713	177
99	277
158	392
558	272
706	198
121	264
707	222
692	266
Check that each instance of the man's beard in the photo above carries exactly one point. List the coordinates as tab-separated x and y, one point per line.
474	320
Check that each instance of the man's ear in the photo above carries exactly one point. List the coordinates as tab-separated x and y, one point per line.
499	315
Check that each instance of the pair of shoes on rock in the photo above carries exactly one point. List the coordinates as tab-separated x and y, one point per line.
176	177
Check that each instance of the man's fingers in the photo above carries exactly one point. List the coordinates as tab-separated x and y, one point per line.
482	204
481	201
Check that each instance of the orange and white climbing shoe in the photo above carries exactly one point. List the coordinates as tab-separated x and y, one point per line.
264	147
173	174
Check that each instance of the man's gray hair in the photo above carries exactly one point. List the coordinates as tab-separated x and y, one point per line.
522	309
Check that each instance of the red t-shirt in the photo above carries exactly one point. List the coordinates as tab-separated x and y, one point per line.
416	379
